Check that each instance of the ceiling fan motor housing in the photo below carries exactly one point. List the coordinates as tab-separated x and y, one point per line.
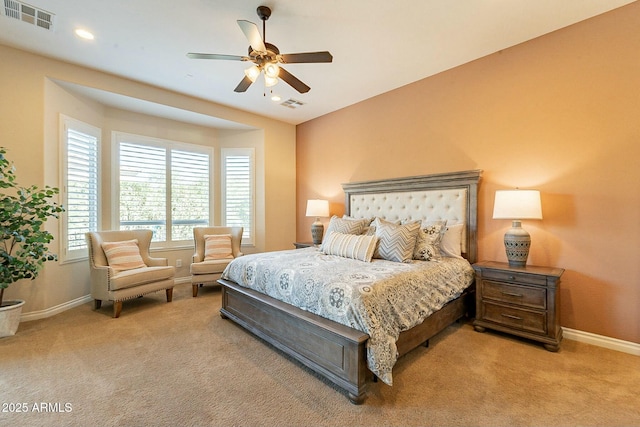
263	12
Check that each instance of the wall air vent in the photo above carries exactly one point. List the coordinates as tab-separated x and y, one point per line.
29	14
292	103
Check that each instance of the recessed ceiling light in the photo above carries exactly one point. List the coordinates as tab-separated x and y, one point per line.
84	34
275	98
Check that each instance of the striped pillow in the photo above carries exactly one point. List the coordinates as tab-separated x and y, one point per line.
395	242
346	225
124	255
217	246
350	246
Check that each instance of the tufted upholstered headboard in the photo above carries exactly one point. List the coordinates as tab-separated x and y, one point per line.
451	196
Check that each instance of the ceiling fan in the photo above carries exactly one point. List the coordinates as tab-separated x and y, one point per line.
266	57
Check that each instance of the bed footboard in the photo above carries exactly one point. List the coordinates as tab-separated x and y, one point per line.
334	351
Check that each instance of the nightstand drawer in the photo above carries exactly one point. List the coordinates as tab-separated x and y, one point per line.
530	321
514	294
508	276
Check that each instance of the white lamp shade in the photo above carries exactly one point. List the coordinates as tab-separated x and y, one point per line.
252	73
318	208
517	204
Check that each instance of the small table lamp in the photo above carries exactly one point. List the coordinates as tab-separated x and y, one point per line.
517	205
317	208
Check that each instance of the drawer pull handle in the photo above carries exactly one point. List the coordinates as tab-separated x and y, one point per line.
512	277
511	294
511	316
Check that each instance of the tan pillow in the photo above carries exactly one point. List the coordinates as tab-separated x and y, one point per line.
217	246
359	247
124	255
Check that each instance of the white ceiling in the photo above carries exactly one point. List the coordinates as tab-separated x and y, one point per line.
376	45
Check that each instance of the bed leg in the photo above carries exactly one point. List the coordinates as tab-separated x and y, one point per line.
356	399
426	343
375	378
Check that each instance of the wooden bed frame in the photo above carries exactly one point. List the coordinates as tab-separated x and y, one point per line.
334	351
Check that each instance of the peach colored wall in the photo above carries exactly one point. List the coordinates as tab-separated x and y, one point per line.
560	114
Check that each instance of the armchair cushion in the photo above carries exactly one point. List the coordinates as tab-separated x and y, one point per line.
140	276
217	246
210	267
124	255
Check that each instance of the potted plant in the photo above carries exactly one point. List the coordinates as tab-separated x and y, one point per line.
24	244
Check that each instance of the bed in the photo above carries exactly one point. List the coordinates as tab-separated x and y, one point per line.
338	344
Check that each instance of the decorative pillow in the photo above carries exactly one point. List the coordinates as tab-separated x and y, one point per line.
352	246
395	242
217	246
124	255
371	229
428	242
452	241
346	226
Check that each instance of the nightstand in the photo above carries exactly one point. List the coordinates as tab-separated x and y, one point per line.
300	245
522	301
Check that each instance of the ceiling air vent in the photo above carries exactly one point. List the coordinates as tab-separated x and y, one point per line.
29	14
292	103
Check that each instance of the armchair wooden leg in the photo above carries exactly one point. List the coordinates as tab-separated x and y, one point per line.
117	308
195	290
169	294
97	303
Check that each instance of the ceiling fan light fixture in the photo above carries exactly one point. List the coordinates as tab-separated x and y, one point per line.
270	81
252	73
271	70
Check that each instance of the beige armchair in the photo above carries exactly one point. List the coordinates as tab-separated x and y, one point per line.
203	271
130	274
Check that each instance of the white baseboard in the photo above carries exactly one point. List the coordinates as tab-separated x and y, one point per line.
43	314
602	341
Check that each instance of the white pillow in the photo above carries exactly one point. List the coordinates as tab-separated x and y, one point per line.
352	246
452	241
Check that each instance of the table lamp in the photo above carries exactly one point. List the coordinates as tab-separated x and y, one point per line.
517	205
317	208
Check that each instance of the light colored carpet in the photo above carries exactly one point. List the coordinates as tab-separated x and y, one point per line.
180	364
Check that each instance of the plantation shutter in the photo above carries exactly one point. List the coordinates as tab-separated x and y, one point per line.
143	201
238	184
81	187
189	193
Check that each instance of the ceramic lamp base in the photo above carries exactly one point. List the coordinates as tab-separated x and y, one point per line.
317	230
517	242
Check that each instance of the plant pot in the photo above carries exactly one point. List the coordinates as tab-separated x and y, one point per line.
10	317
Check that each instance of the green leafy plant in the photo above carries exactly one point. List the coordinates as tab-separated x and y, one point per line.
23	213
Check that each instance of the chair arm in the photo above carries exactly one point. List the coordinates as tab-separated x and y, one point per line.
157	262
100	277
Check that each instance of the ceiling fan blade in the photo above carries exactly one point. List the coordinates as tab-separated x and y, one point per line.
293	81
243	85
252	34
216	56
306	57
